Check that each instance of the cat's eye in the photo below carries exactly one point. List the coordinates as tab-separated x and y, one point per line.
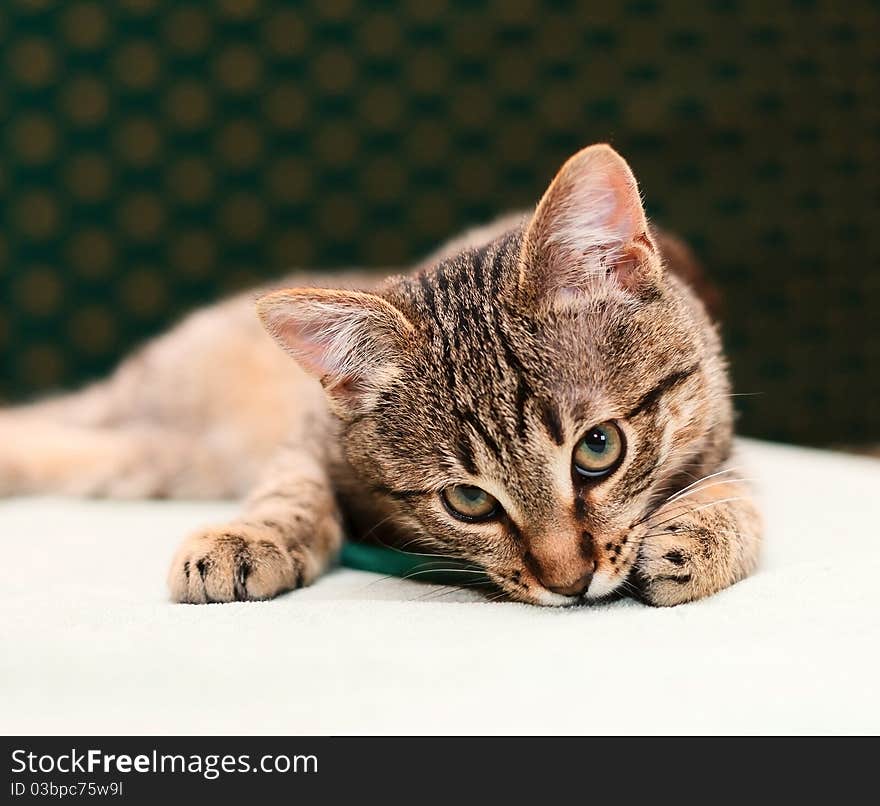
599	451
469	503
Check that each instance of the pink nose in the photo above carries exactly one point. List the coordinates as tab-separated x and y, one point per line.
575	588
568	576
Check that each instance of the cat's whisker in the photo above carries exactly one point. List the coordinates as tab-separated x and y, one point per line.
372	582
627	586
421	539
677	509
445	590
703	487
443	571
423	554
409	543
448	590
683	462
402	550
685	511
372	529
664	533
389	577
704	478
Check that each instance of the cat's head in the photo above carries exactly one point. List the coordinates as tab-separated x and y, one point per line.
525	403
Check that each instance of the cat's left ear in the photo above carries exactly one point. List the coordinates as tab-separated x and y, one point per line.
351	341
589	234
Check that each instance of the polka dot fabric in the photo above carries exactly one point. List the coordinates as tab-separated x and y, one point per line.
158	154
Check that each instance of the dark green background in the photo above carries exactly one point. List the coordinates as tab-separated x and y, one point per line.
157	154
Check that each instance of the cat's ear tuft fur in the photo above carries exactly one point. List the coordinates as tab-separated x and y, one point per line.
351	341
589	233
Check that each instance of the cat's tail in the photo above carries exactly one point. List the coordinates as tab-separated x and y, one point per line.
143	432
76	445
91	406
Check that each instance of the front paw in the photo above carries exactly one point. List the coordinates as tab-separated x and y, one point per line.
698	542
235	564
669	568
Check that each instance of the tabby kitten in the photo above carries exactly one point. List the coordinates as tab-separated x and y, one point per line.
543	398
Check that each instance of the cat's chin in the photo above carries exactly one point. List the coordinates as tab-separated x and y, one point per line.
546	598
602	586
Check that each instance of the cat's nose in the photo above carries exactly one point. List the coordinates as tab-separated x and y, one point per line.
568	576
576	588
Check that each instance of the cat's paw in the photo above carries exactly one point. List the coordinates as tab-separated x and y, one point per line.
234	564
698	544
669	567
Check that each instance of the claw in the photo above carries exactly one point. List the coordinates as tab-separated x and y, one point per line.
242	572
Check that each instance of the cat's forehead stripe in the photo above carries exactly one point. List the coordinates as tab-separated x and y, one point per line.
666	384
549	414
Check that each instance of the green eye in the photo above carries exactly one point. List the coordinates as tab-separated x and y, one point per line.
599	451
469	503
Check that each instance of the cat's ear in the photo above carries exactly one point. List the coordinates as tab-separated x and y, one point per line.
589	233
351	341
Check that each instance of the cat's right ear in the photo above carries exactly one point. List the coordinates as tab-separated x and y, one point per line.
351	341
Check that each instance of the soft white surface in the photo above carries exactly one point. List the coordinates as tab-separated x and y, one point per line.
90	645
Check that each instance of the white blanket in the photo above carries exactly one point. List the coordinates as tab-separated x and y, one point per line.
89	644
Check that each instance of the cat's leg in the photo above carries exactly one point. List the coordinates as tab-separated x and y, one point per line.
701	541
289	532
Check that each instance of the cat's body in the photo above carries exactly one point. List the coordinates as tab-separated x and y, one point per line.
474	375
